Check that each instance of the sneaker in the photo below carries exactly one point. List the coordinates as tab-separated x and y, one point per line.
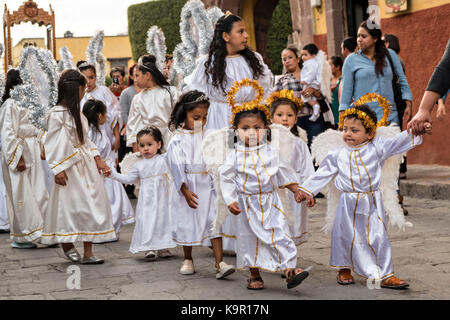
152	254
165	253
224	270
187	267
23	245
314	117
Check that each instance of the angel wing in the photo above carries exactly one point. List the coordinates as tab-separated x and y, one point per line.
95	56
302	134
39	90
66	61
156	45
389	182
320	147
216	146
127	163
325	74
214	13
283	140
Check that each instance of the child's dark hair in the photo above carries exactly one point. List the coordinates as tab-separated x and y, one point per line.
147	63
91	109
311	48
294	107
337	62
69	85
252	113
187	102
151	131
216	63
83	65
12	79
366	109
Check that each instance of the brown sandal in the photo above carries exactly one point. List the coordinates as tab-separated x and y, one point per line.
345	277
394	283
253	280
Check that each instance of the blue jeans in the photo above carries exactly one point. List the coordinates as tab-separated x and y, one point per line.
312	128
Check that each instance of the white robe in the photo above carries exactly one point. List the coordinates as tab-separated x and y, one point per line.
251	177
4	220
122	211
113	115
79	211
301	162
359	239
193	227
219	113
151	107
27	195
154	225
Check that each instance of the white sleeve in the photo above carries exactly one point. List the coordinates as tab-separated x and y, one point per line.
398	144
129	178
227	178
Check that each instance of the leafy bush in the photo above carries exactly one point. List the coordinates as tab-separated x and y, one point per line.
279	31
164	13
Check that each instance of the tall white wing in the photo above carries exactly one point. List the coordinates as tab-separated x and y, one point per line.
156	45
94	56
216	146
39	91
66	61
389	182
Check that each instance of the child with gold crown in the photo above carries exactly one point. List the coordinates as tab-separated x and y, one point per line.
365	171
248	183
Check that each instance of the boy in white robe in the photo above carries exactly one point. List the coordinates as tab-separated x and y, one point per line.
359	237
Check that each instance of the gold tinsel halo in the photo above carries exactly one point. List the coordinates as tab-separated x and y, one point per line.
254	104
368	98
287	94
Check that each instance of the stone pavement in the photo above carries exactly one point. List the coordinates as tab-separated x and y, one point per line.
421	256
427	182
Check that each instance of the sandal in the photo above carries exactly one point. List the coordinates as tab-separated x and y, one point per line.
253	280
394	283
294	279
345	277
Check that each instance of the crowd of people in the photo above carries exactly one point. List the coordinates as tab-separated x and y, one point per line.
179	192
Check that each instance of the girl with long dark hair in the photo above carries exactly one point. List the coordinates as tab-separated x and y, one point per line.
22	168
79	208
229	60
153	105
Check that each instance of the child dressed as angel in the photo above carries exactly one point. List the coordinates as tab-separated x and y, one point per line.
249	179
359	239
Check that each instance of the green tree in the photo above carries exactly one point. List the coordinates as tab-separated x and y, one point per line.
279	31
164	13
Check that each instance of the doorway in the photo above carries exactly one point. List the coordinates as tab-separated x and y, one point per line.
356	12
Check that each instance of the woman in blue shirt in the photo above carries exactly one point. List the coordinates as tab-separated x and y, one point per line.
369	70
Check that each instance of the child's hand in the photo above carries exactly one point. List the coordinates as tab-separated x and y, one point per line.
107	173
21	165
43	156
301	196
189	196
61	178
234	208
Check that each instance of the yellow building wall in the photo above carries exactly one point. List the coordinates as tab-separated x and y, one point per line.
17	50
413	5
114	47
319	19
247	9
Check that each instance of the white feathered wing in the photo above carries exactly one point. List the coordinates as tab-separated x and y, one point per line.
216	146
127	163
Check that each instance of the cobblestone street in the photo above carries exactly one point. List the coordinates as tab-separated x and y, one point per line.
421	256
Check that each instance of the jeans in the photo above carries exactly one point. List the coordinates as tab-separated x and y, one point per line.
312	128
